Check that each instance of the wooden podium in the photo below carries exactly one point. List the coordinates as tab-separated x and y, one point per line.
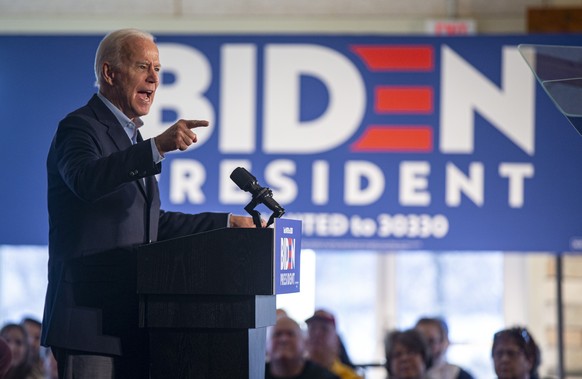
206	300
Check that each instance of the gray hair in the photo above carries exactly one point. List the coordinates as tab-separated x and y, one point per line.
110	49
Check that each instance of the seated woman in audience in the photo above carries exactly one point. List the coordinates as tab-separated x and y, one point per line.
515	354
5	357
21	366
33	331
407	355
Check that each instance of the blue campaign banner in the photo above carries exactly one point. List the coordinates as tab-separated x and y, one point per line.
373	142
287	255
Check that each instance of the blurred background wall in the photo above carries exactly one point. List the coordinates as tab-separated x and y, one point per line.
333	16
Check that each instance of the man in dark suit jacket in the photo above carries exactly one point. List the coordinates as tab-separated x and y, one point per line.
103	196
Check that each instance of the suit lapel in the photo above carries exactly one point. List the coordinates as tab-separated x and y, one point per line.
107	118
144	184
117	134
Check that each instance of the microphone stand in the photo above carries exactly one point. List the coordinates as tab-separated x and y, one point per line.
258	199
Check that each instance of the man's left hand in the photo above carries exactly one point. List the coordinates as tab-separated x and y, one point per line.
237	221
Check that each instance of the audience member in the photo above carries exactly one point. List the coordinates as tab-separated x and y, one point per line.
323	344
343	353
286	350
50	365
407	355
436	335
515	354
33	330
21	366
5	357
280	312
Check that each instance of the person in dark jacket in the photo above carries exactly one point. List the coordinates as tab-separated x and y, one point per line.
103	197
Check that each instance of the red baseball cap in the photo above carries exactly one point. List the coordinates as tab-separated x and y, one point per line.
321	315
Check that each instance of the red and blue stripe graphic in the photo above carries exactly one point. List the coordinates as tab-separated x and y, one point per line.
398	99
287	253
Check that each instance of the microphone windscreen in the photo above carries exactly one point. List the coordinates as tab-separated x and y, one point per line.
242	178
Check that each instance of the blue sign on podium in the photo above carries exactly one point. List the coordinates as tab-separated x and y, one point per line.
287	255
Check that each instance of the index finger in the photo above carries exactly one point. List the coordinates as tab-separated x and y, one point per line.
191	124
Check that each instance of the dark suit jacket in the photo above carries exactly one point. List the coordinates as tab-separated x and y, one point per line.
97	203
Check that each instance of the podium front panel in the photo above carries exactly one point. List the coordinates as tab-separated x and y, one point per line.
192	311
228	261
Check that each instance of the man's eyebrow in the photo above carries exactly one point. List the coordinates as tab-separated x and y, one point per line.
148	63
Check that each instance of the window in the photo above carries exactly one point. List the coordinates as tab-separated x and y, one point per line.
23	281
371	293
466	288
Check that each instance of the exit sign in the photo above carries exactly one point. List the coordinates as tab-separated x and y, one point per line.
449	27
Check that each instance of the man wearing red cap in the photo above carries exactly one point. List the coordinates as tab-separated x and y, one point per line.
323	344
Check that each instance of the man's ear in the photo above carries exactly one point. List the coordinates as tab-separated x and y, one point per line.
108	73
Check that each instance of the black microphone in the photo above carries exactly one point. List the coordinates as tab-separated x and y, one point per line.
248	183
